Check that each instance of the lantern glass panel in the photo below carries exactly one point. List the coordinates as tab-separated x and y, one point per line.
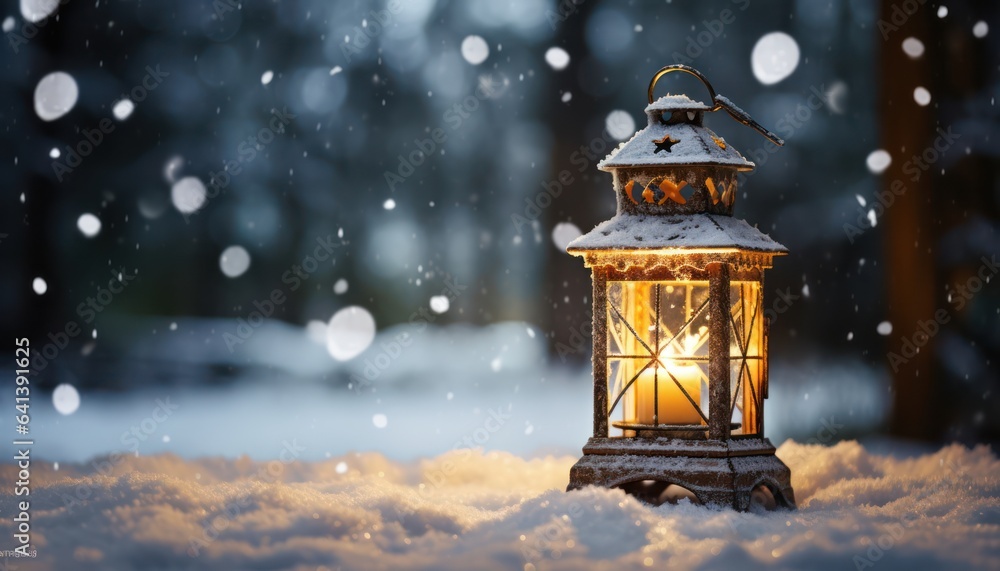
657	353
747	357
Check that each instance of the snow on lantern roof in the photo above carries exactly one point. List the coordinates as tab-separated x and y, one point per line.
675	136
676	103
688	231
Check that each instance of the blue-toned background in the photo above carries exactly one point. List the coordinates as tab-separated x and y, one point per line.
426	162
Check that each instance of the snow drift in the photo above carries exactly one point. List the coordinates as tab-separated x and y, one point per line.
473	510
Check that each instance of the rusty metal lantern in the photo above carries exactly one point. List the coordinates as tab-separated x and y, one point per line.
680	337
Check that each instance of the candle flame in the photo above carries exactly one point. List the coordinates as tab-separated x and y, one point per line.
689	345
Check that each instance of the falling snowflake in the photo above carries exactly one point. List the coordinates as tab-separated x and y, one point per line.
88	224
55	95
188	194
234	261
35	11
878	160
123	109
563	233
557	58
171	168
620	124
475	50
774	57
349	332
913	47
884	328
440	304
66	399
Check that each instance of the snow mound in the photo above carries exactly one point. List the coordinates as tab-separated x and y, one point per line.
468	509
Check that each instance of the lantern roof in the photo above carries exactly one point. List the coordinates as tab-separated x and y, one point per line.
687	231
675	136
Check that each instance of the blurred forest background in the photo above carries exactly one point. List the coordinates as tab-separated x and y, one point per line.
413	138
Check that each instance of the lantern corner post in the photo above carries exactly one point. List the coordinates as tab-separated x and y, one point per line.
600	339
719	407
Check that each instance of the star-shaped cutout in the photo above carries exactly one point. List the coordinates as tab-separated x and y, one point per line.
664	144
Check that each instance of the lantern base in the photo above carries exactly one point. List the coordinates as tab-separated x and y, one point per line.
728	473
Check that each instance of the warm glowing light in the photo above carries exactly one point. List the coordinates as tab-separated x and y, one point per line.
656	385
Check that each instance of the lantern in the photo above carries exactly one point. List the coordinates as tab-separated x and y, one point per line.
680	336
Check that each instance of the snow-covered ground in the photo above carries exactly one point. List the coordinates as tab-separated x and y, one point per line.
473	510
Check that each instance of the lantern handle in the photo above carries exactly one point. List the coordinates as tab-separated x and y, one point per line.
686	69
719	101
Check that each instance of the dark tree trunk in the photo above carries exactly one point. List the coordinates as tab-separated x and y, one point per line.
910	235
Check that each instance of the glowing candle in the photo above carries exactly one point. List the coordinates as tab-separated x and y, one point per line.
674	407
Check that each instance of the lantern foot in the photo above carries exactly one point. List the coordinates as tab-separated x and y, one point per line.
742	474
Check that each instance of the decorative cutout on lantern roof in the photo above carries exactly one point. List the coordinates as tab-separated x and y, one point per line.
677	136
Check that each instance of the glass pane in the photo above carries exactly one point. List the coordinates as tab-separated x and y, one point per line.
657	356
746	350
617	333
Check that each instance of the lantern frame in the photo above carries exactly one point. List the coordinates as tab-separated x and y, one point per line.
658	240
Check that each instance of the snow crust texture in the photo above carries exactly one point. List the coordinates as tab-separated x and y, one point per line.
473	510
642	231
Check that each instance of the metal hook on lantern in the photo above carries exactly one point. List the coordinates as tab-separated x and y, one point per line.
719	101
